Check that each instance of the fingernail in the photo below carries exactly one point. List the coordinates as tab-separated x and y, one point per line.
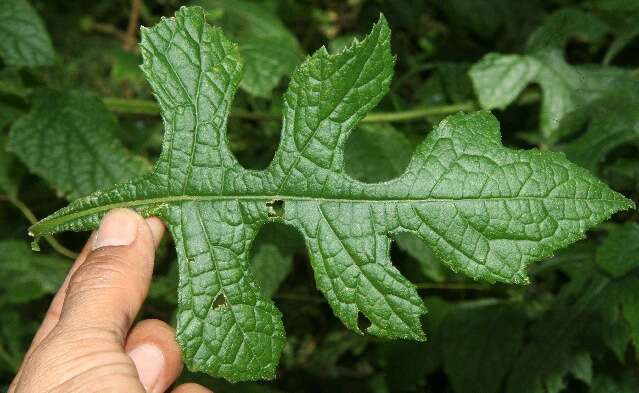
118	228
149	361
157	229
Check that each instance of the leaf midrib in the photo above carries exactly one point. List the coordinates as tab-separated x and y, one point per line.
37	230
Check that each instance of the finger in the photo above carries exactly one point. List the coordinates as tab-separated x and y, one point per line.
191	388
152	347
53	313
108	288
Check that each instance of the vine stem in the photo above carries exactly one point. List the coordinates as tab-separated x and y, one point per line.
454	286
24	209
147	107
130	39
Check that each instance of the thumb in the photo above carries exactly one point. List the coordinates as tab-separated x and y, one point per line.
108	288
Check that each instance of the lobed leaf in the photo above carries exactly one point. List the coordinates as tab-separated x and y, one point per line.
269	50
485	210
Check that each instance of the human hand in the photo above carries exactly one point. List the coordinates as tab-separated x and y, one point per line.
85	343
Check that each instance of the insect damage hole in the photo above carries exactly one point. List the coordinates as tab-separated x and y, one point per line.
275	208
220	301
363	323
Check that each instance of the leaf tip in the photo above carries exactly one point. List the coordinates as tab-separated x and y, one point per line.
34	243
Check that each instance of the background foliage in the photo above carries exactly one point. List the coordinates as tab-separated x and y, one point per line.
76	115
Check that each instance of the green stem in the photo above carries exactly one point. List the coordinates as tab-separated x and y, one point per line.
146	107
418	113
134	106
149	107
24	209
454	286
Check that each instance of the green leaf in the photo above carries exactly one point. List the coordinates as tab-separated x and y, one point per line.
499	79
481	342
69	140
269	50
619	253
485	210
25	41
27	276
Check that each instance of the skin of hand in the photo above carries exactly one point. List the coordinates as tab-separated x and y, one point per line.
86	343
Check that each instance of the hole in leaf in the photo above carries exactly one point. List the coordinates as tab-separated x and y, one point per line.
363	323
220	301
275	208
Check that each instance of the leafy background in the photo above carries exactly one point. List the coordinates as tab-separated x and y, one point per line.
76	115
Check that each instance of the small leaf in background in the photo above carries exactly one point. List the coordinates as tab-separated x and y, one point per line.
429	264
425	357
619	253
24	39
584	319
272	256
126	66
269	50
10	171
473	359
376	152
69	139
629	301
8	114
627	382
16	332
27	276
